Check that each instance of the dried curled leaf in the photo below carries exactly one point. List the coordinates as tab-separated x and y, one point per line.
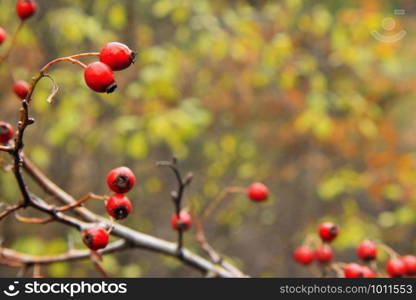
54	91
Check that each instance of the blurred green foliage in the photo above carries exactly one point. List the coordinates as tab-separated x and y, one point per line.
297	94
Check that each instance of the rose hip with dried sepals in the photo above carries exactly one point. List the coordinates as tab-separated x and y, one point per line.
121	180
367	250
328	231
117	56
118	206
184	221
95	238
100	78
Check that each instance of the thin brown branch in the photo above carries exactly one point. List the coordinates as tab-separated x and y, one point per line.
33	220
10	209
221	197
16	259
12	43
80	202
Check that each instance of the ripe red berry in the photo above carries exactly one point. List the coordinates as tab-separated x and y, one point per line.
328	231
21	88
367	250
353	270
100	78
118	206
95	238
258	192
6	132
117	56
409	264
184	221
395	267
3	35
367	272
324	254
25	8
304	255
121	180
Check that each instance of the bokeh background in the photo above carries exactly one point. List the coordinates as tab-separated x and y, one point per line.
297	94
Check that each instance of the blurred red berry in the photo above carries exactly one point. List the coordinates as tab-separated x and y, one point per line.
21	88
184	221
367	272
328	231
121	180
304	255
25	8
6	132
324	254
367	250
117	56
3	35
353	270
95	238
258	192
395	267
409	262
118	206
100	78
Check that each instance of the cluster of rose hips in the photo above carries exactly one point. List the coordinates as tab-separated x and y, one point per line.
366	251
120	180
114	56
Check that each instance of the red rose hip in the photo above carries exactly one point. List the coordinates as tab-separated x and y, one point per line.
21	88
25	8
353	270
367	250
117	56
95	238
118	206
3	35
121	180
184	221
324	254
6	132
304	255
328	231
100	78
409	262
395	267
258	192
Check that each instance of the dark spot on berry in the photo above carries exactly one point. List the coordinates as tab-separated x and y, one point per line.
133	56
120	212
122	181
111	88
333	231
3	130
88	238
368	257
